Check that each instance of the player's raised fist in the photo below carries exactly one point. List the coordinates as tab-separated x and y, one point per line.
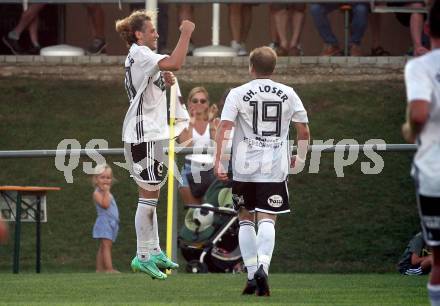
187	27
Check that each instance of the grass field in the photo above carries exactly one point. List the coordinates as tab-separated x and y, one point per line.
210	289
356	223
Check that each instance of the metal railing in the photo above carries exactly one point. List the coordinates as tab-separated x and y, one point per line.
188	150
201	1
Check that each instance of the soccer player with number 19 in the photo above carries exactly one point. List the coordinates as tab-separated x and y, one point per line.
261	111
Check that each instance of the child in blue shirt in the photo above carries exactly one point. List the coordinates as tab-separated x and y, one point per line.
107	222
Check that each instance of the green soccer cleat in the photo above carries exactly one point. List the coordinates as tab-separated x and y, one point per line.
163	262
148	267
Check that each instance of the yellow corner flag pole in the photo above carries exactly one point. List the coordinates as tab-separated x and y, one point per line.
170	198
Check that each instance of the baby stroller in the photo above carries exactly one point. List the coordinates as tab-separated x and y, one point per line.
208	239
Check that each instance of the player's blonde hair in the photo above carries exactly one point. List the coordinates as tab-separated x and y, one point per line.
128	26
100	168
263	60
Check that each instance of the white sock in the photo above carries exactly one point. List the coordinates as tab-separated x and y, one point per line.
247	239
265	242
155	247
434	294
144	224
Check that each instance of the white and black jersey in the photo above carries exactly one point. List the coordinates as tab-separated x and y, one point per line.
422	78
146	118
262	111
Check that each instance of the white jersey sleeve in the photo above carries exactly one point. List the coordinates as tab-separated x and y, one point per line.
418	83
230	108
148	60
300	113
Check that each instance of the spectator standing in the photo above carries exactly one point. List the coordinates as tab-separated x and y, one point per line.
416	22
261	111
359	21
422	80
106	227
97	20
274	37
376	29
185	11
240	19
285	13
29	19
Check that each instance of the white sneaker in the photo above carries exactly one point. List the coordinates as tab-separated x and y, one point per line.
273	45
242	50
235	45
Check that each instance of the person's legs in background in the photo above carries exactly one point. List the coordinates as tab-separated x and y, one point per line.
97	20
274	36
281	18
240	19
319	13
28	18
186	12
246	17
376	26
297	11
416	30
359	23
162	28
33	34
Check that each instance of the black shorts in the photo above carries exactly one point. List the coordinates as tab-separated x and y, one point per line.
429	210
272	198
146	161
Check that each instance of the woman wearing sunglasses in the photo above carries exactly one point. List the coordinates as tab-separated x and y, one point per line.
197	173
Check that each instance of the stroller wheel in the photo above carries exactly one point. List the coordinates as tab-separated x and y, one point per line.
195	266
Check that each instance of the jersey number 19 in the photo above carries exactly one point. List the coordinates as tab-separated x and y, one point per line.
265	117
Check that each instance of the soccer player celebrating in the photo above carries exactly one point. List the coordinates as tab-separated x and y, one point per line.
261	111
145	127
422	79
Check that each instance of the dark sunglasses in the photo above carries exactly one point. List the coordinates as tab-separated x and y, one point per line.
202	101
